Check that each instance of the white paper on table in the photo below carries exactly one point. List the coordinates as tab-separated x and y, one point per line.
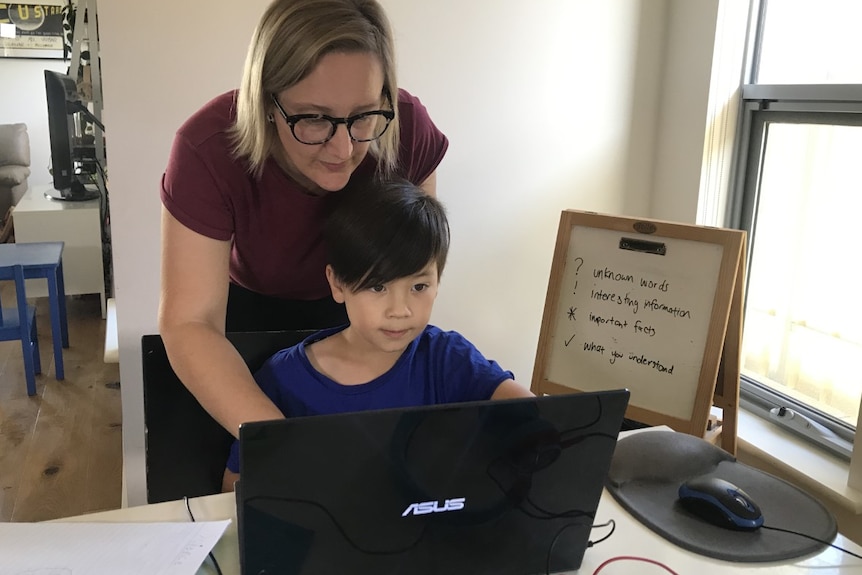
106	548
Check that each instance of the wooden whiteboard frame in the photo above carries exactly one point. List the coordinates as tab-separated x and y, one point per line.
718	381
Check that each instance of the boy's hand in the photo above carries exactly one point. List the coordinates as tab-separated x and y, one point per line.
228	480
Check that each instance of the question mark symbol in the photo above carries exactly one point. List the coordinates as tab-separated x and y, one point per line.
579	262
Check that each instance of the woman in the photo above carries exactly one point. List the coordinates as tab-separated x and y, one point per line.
252	176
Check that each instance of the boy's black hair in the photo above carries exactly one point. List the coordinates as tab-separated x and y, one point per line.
385	231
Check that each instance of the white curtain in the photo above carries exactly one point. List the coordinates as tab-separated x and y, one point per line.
803	324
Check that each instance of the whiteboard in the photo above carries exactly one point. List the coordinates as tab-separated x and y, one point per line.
643	311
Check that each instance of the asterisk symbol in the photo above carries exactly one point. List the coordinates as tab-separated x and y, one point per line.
572	313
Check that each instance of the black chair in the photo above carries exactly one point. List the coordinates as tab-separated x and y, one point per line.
186	449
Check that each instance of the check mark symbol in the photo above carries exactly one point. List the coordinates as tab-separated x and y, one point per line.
568	341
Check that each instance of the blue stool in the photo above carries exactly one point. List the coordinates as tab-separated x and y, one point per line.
41	260
20	324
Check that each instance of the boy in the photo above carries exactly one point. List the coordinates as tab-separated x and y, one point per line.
387	249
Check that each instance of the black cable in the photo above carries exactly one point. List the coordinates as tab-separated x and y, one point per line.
812	538
568	514
526	477
610	522
192	517
553	543
613	525
338	525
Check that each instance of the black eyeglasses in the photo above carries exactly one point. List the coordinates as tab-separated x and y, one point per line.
316	129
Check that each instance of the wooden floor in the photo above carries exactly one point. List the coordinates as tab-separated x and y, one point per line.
60	450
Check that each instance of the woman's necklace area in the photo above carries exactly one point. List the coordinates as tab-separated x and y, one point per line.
306	186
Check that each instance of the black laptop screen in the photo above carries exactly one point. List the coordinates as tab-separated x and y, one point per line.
504	487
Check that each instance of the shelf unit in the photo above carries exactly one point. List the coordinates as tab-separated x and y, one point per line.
85	38
77	224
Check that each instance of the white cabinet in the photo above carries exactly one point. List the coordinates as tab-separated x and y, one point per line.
78	224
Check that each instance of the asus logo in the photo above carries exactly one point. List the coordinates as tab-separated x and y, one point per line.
434	507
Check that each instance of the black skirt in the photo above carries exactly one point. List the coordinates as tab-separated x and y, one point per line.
251	311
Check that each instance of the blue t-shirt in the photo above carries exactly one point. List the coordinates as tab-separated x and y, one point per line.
437	367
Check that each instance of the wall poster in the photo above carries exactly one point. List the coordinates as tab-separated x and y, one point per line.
32	30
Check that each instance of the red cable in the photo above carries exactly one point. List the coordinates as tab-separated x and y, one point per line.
634	558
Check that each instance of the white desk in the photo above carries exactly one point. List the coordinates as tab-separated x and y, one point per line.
630	538
78	225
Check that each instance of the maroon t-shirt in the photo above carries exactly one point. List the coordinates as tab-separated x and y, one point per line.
276	227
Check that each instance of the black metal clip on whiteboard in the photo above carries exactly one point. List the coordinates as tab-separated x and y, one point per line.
644	246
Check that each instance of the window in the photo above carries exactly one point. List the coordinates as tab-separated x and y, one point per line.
808	42
798	193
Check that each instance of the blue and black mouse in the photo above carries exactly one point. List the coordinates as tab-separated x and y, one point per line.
721	503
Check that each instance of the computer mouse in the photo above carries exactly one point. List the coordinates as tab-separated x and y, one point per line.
721	503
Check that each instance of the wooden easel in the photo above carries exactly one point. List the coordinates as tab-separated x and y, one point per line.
726	393
716	380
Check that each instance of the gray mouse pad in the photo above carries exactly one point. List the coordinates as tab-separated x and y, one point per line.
648	468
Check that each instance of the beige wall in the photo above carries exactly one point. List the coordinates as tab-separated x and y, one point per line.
161	60
590	74
22	99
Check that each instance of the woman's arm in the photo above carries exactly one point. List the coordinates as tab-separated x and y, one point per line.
509	389
191	322
429	186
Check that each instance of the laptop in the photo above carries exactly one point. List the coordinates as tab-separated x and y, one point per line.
491	487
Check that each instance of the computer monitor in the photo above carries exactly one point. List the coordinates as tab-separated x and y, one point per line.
68	146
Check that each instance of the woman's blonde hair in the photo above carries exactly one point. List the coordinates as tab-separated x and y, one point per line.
290	39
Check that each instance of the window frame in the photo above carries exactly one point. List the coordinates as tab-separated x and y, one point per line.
762	105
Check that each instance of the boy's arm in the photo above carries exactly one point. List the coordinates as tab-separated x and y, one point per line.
267	381
229	476
510	389
270	378
228	480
